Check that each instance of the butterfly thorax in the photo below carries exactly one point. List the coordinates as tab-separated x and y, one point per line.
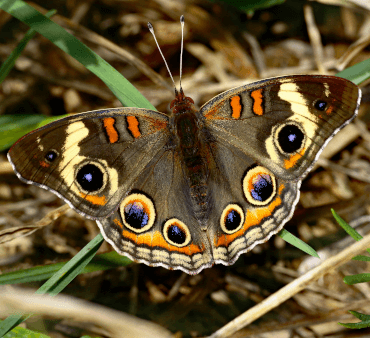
191	149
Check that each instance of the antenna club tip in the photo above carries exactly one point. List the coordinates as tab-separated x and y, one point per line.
150	26
182	19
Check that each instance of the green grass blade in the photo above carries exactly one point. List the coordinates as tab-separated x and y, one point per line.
7	66
365	321
123	89
360	325
359	315
347	228
295	241
361	258
20	332
10	323
72	268
101	262
13	127
59	280
358	73
355	279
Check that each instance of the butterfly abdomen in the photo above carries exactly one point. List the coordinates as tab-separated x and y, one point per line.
194	163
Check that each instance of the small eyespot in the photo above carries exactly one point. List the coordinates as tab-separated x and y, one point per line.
232	219
90	178
176	233
321	105
290	138
51	156
137	212
259	186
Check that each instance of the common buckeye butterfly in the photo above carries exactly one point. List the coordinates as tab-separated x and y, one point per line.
191	188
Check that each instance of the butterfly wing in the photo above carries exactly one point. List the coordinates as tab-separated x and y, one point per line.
263	139
155	223
283	123
249	202
91	159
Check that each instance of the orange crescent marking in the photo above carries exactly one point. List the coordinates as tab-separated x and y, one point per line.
330	109
44	164
252	218
158	125
139	203
291	162
156	239
110	129
236	106
97	200
133	126
254	178
257	103
118	223
211	113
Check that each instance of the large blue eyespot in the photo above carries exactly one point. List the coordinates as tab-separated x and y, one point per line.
262	187
136	215
137	212
290	138
259	186
90	178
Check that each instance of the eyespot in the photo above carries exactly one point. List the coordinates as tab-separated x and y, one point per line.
51	156
137	212
176	233
91	177
232	218
259	186
320	105
290	138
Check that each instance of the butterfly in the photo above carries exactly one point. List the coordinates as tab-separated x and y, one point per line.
191	188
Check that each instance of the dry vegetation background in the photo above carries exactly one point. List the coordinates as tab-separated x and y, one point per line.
224	48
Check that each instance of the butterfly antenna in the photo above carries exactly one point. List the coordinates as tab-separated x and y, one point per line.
182	21
151	29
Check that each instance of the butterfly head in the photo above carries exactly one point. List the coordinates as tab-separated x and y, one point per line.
181	103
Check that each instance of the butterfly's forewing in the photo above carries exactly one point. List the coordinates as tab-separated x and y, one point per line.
91	159
283	123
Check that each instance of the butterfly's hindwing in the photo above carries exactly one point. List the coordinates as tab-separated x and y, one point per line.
155	223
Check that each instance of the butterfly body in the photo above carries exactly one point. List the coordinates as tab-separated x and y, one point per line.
195	187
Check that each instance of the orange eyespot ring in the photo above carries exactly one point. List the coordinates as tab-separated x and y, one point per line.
232	219
137	212
176	233
259	186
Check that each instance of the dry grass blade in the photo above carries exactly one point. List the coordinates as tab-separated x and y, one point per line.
352	51
291	289
340	141
315	38
355	173
348	3
95	38
9	234
118	324
6	168
257	53
340	314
